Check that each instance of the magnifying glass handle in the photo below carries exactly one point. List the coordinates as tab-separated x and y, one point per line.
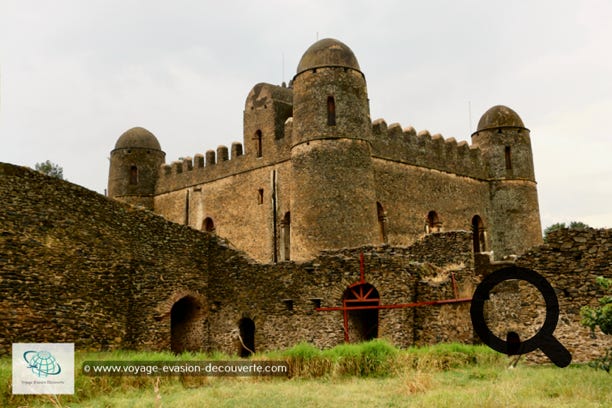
555	351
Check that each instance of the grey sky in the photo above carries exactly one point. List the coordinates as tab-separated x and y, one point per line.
74	75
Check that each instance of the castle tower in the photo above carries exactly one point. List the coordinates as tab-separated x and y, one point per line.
134	167
333	202
514	212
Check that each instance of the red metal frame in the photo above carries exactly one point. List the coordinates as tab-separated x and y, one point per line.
361	297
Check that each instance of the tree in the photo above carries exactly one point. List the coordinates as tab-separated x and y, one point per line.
601	317
50	169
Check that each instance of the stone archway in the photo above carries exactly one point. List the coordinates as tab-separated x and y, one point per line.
186	325
246	327
362	324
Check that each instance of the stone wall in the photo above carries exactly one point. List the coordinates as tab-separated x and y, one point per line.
570	260
78	267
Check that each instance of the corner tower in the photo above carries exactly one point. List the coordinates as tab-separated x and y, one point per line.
513	212
333	202
134	167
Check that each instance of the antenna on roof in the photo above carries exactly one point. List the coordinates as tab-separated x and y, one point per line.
283	63
470	115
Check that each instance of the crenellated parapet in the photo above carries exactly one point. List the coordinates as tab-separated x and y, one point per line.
212	165
405	145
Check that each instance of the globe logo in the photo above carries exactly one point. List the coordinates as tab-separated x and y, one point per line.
42	363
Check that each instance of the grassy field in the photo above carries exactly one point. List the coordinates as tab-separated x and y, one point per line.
370	374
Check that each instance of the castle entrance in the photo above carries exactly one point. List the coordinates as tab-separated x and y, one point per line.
186	329
360	303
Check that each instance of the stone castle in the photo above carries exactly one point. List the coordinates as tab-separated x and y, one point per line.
315	173
318	187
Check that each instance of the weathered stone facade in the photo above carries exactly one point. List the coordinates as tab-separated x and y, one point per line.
317	173
79	267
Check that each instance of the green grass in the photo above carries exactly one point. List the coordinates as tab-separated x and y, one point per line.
373	374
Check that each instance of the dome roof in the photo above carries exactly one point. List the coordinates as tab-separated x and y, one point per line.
328	53
138	137
499	116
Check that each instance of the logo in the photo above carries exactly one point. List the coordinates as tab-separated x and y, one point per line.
42	363
43	368
543	339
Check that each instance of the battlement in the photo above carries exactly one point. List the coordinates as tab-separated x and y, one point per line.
405	145
211	165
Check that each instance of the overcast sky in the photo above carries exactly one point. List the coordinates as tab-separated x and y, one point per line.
75	74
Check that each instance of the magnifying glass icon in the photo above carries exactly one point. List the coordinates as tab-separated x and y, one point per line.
543	339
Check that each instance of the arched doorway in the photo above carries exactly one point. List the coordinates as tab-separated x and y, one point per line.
208	225
432	222
186	330
361	324
246	327
479	236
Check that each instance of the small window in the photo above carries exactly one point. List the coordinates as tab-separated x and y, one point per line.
258	142
133	175
316	302
508	155
260	196
331	111
288	304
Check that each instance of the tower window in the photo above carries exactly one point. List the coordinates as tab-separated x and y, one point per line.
508	155
258	143
260	196
331	111
133	175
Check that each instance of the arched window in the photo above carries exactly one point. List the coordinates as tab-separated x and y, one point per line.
133	175
508	156
433	223
331	111
479	235
258	143
382	222
208	225
286	237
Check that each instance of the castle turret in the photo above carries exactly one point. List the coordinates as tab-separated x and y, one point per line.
506	149
134	167
266	110
333	202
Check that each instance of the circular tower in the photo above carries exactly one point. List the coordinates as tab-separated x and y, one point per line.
134	167
513	210
333	200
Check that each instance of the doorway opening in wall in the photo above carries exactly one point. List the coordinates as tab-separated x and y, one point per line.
361	324
246	327
184	329
208	225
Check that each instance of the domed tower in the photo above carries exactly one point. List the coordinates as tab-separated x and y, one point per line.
134	167
333	200
514	212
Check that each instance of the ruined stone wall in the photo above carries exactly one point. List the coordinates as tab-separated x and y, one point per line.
281	299
78	267
570	261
